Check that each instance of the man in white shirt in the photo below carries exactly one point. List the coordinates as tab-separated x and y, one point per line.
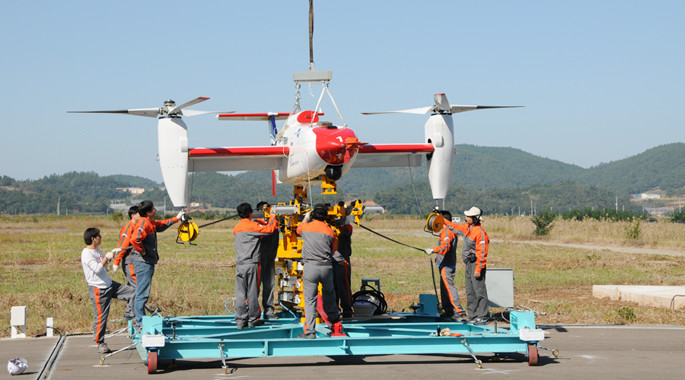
101	288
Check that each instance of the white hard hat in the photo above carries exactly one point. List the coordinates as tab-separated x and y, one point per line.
473	211
17	366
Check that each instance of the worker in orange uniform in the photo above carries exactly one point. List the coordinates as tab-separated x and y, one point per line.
446	261
342	270
318	245
474	255
248	238
268	249
144	255
125	242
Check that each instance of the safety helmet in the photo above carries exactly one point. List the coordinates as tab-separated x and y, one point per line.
17	366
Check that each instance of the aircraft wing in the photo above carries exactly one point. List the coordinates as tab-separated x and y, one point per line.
391	155
263	116
236	158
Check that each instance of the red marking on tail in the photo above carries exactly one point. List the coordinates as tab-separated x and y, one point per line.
273	182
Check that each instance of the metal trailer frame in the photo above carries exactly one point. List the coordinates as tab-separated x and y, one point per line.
217	337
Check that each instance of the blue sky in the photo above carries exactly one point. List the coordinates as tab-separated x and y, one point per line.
600	80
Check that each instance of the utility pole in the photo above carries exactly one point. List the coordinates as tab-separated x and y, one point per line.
531	206
59	198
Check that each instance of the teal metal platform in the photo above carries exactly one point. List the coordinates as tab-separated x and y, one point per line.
216	337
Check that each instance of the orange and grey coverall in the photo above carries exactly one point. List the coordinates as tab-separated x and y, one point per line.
120	260
267	257
446	261
342	271
474	255
248	238
144	256
318	245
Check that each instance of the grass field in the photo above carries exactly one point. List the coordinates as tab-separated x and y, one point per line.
40	268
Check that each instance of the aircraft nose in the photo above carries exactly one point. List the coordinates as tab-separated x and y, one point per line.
339	147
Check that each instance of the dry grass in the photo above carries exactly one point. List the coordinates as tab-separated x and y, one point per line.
40	267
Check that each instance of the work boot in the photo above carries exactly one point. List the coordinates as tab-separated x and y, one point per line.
306	336
103	349
270	315
258	322
480	321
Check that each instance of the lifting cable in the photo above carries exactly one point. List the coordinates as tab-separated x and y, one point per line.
217	221
411	176
435	288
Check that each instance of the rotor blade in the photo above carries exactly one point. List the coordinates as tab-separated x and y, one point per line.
417	111
187	104
147	112
196	113
462	108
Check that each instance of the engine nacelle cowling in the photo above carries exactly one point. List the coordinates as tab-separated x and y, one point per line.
439	132
172	135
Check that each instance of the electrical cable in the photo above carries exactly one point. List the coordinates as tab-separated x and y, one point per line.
217	221
435	288
392	240
286	308
226	306
411	176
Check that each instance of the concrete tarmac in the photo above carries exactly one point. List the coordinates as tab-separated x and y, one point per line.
610	352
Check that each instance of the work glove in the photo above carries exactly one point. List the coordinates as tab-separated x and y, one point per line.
428	251
117	250
115	268
307	217
181	215
109	255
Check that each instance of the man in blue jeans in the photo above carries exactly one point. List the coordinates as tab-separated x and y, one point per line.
144	255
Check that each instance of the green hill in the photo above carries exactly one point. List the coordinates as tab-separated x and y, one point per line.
503	180
659	168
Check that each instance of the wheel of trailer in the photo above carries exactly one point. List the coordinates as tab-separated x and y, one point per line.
532	354
152	362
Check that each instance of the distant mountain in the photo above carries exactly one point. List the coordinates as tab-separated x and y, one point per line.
133	181
475	168
502	179
484	168
662	167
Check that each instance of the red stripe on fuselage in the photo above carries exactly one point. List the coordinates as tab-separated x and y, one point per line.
336	145
399	148
240	151
253	116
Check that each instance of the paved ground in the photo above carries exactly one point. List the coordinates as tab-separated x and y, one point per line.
585	352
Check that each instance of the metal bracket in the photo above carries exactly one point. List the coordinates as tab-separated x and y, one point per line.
308	77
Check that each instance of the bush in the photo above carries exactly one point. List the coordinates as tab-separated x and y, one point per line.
626	314
117	217
632	230
543	222
678	216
